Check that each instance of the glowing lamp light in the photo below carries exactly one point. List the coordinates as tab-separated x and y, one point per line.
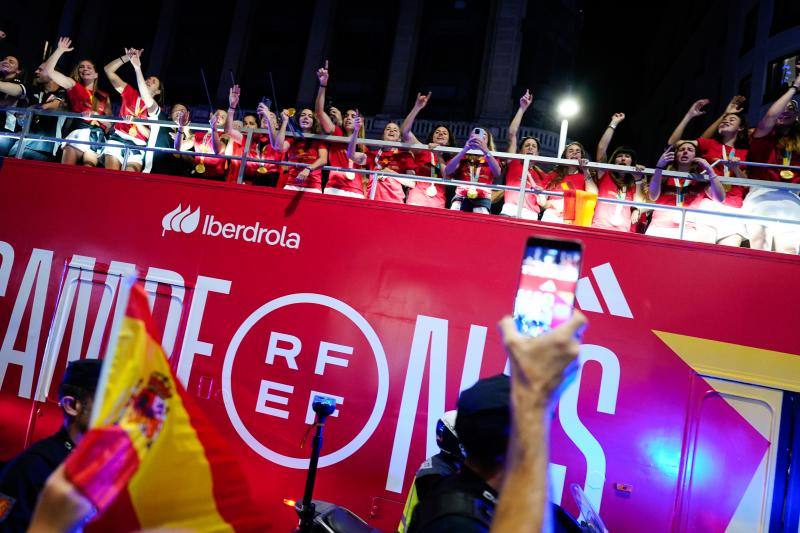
568	107
289	503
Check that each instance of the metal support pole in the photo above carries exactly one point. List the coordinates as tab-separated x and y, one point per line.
523	184
245	155
125	158
26	128
683	221
373	187
562	137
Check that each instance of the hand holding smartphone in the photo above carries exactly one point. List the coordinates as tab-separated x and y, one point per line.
546	292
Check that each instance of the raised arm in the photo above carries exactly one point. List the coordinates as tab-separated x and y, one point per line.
655	183
112	67
605	139
513	128
494	166
183	142
715	188
538	367
768	122
319	104
359	158
694	111
233	105
734	106
49	68
408	122
216	144
452	165
280	139
144	91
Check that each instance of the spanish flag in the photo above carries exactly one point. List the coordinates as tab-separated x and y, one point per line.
151	458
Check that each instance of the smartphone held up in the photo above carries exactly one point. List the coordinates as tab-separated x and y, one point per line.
548	277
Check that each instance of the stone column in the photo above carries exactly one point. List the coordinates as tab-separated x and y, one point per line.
501	61
404	52
318	41
235	50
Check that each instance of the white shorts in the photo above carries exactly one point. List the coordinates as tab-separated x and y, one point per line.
766	202
722	226
85	135
305	189
116	149
510	210
338	192
551	215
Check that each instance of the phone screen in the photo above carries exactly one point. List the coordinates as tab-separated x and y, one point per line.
546	292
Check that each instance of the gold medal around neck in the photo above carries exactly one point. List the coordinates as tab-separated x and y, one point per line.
430	191
262	169
787	174
200	168
132	131
472	193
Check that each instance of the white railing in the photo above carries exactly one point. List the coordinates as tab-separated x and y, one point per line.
522	190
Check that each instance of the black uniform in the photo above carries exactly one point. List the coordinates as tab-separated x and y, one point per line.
24	476
465	503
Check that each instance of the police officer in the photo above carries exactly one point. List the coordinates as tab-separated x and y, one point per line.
445	463
24	476
466	501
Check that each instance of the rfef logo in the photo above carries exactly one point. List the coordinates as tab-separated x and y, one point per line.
180	221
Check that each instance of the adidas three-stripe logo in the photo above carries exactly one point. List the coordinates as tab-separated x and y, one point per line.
610	290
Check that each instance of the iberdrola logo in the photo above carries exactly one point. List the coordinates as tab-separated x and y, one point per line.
181	221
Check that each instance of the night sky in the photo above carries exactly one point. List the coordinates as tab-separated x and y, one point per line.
622	48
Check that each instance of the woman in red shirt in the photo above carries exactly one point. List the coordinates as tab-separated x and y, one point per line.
142	104
529	146
429	163
564	177
312	153
387	163
726	139
776	140
474	169
618	185
85	98
206	142
682	157
340	183
255	173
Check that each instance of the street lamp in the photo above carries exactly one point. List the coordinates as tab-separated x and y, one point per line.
567	108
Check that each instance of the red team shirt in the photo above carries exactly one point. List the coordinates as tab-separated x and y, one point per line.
693	193
474	167
259	148
81	100
766	150
400	161
214	166
571	181
425	193
712	150
337	157
514	178
607	215
302	151
133	106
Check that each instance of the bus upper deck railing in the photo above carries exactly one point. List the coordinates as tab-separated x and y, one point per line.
248	134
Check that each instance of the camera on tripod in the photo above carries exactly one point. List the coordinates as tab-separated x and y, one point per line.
323	406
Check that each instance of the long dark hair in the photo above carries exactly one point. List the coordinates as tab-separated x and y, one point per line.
626	179
451	139
561	171
791	139
742	136
538	146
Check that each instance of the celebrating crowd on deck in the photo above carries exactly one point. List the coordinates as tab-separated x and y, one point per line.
297	163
